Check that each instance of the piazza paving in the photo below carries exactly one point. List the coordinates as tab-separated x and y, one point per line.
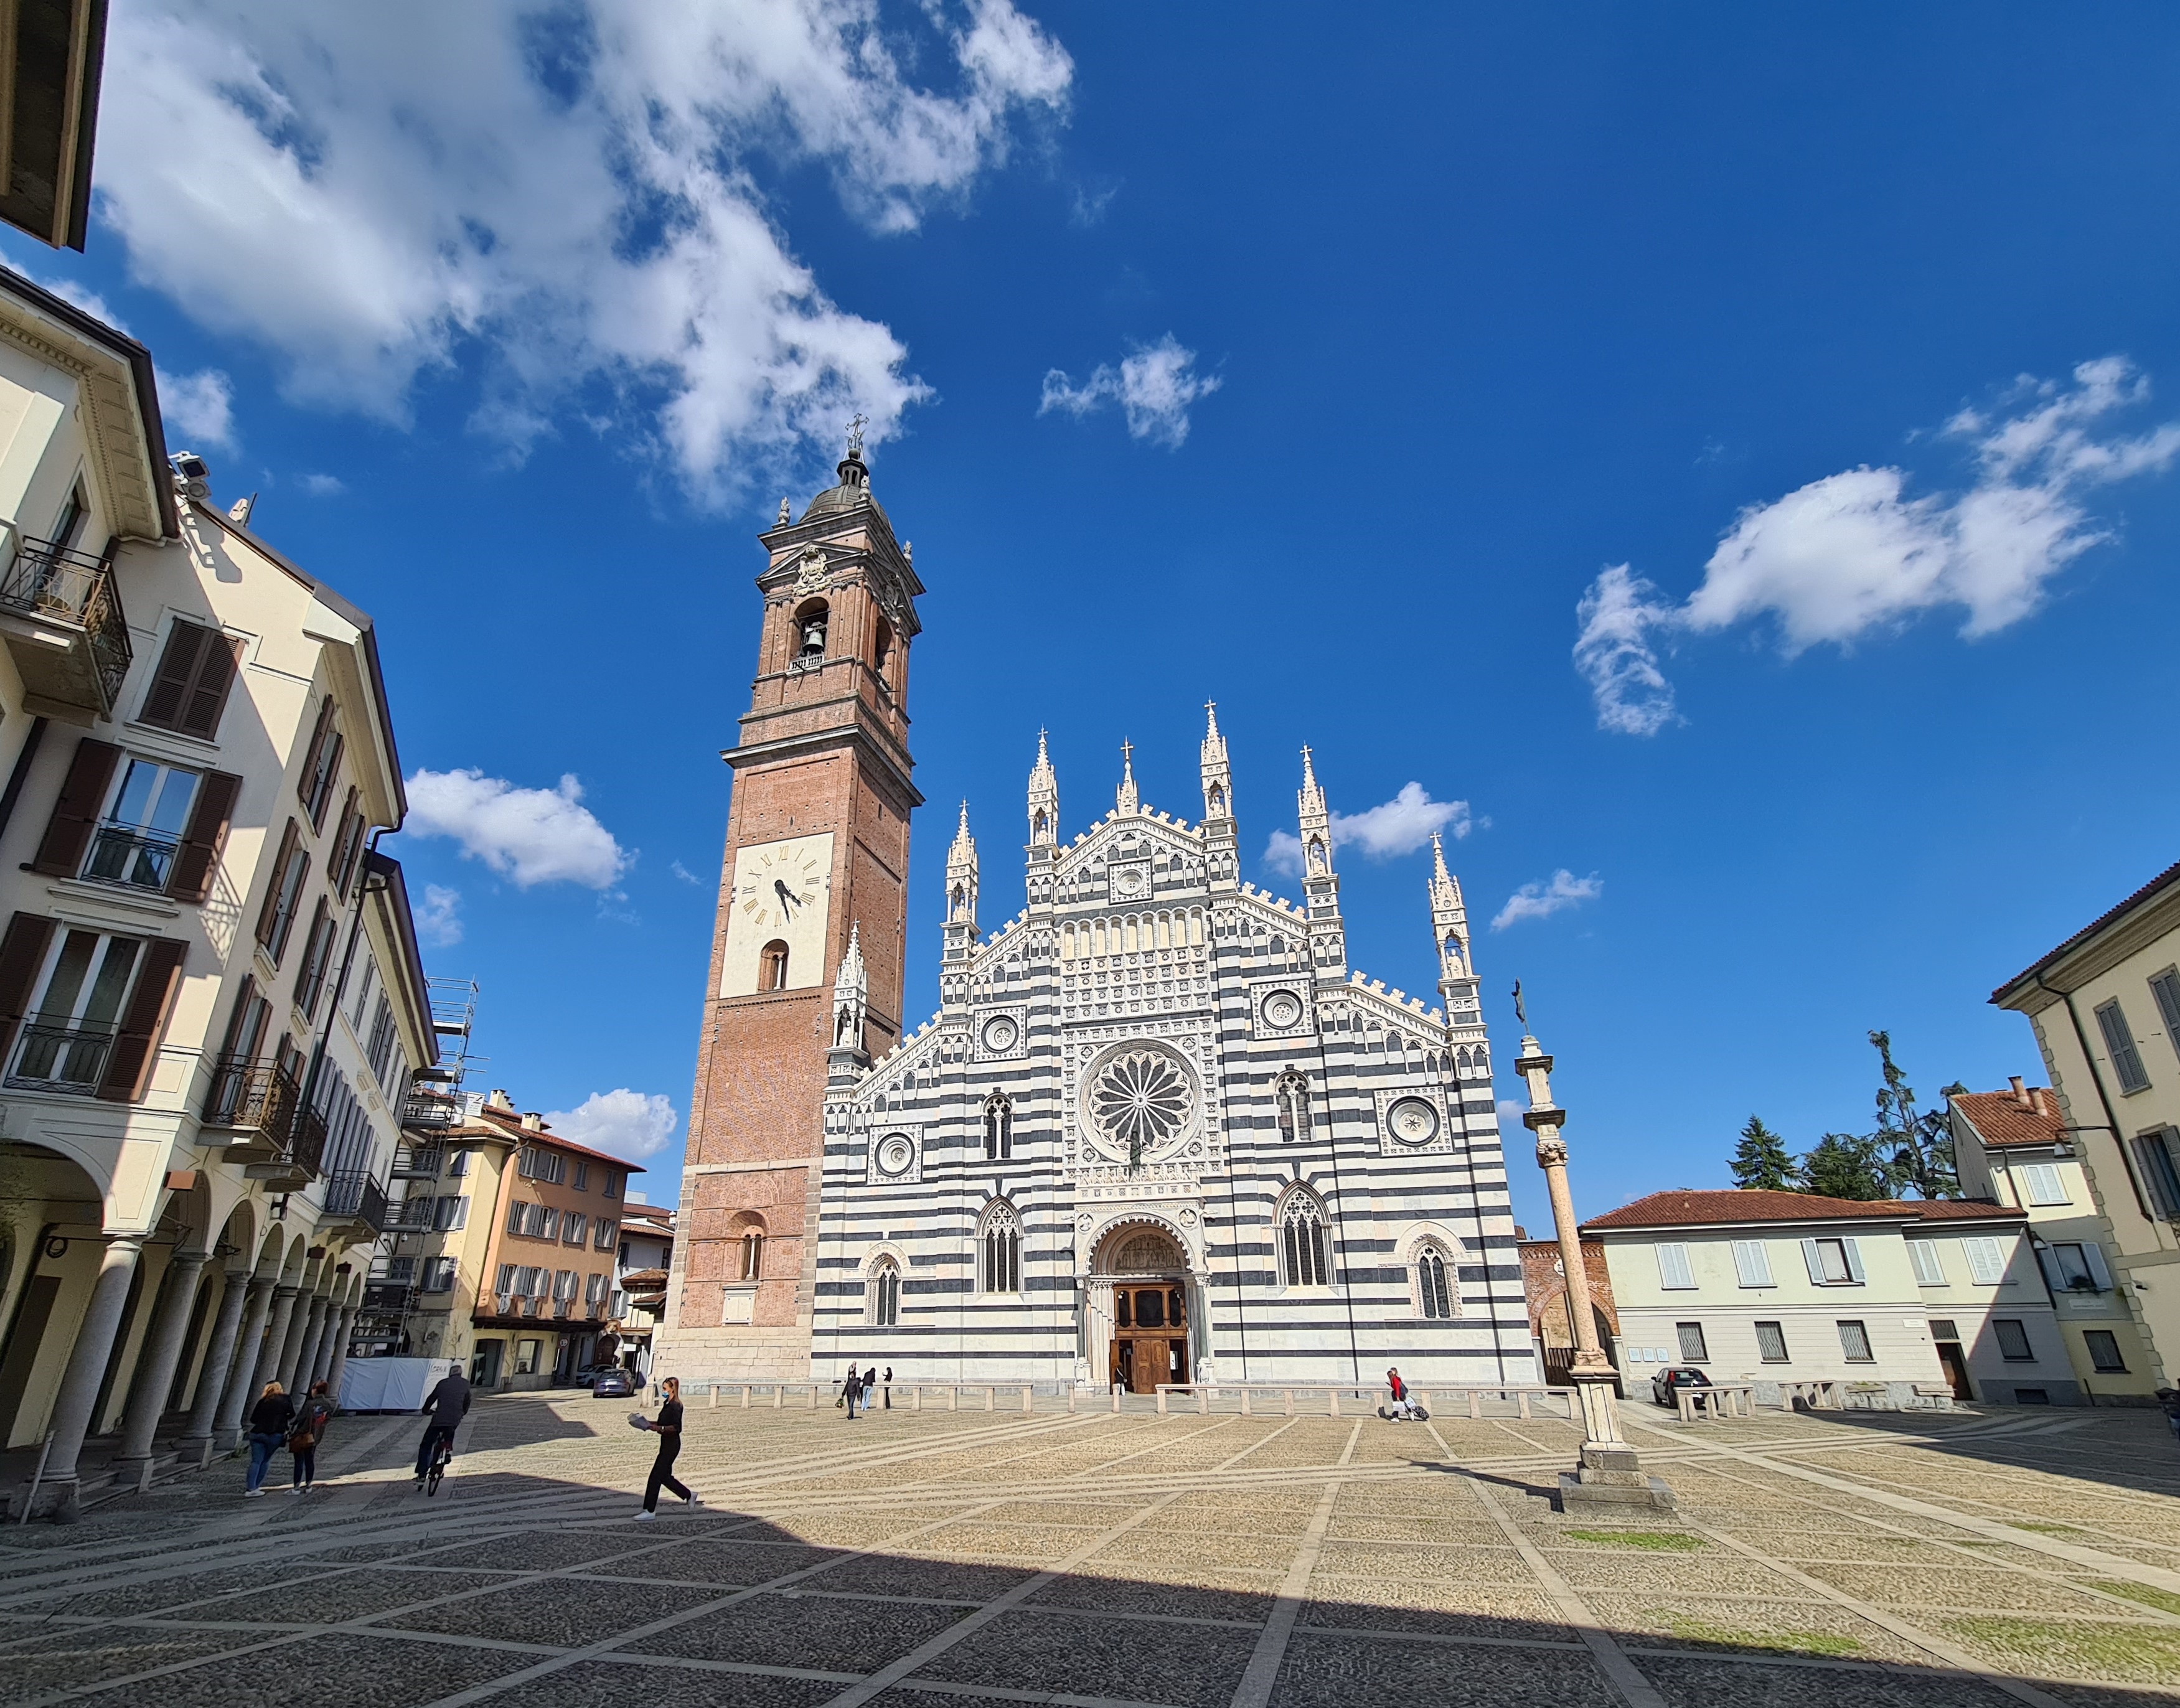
943	1558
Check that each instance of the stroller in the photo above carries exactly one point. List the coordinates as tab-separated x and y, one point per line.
1401	1409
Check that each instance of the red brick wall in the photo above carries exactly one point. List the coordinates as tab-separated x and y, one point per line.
1547	1291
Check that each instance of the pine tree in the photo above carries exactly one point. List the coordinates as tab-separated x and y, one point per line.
1913	1153
1843	1165
1762	1161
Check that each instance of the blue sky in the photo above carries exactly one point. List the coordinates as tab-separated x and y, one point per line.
1327	365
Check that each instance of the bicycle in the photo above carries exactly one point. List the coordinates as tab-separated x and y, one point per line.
442	1455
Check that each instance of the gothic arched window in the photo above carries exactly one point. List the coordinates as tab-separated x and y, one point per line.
752	1255
1432	1288
885	1294
772	966
1293	1097
1302	1243
1000	1270
998	1128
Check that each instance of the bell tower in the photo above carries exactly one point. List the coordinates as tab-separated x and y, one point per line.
815	874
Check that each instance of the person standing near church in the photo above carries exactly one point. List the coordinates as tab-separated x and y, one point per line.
888	1387
851	1391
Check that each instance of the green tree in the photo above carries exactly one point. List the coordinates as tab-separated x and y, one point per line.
1762	1161
1844	1165
1914	1153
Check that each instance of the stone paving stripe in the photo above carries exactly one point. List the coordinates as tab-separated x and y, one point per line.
1228	1464
1623	1674
1255	1689
2111	1565
1959	1659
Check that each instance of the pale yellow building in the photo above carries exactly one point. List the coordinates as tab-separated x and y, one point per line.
2106	1006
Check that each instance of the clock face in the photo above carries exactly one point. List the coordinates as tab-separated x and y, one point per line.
777	910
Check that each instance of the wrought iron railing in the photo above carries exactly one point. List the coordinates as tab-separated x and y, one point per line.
61	1056
354	1195
133	857
418	1161
48	582
410	1215
254	1095
430	1108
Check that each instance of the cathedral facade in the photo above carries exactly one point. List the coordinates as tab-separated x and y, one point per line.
1158	1131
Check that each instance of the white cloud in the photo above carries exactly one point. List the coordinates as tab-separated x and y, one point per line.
1545	897
564	193
1853	553
684	874
1510	1110
1154	385
624	1123
438	921
532	835
201	404
324	486
1398	826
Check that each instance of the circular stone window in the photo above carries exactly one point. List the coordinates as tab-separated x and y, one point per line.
1414	1122
1140	1100
1283	1008
1002	1032
1131	881
896	1151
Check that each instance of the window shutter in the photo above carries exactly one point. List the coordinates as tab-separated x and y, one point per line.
1930	1268
307	782
177	666
1814	1260
2165	988
1986	1264
22	953
268	916
129	1063
76	813
1853	1250
206	695
211	814
1673	1271
2054	1275
2094	1254
1752	1263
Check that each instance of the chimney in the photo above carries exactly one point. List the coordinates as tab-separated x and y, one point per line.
532	1120
501	1101
2036	1100
2020	1096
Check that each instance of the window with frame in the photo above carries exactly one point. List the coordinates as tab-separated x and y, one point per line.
1303	1244
67	1036
594	1289
380	1051
2119	1043
1854	1343
2041	1183
321	765
2160	1174
290	867
1693	1348
2012	1335
753	1256
1675	1272
574	1227
772	966
450	1215
1833	1263
2072	1269
140	836
564	1291
1291	1096
191	681
581	1182
1433	1286
999	1270
2165	990
526	1358
613	1179
1771	1343
2103	1347
460	1162
1944	1328
885	1294
349	830
1752	1263
438	1275
604	1239
1929	1267
1986	1260
537	1163
317	959
998	1128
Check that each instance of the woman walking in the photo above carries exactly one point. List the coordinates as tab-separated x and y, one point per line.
310	1429
269	1421
667	1426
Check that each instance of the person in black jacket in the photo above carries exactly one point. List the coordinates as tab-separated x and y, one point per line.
269	1420
667	1426
449	1404
309	1429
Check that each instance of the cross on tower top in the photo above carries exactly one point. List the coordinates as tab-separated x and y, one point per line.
855	433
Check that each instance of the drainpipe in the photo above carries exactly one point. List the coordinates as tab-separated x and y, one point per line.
2111	1113
21	773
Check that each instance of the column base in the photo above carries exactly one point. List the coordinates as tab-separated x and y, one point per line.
58	1501
1581	1498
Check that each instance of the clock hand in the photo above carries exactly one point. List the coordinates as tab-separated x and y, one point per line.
787	901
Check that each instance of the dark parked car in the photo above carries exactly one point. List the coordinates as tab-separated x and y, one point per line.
1667	1384
613	1384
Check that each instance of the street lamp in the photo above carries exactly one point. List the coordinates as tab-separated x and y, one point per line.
1611	1479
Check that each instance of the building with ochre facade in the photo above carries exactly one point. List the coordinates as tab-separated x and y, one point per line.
1158	1132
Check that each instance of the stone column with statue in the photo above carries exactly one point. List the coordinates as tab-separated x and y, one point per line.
1611	1479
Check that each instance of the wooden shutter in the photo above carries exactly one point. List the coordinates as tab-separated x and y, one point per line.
22	953
178	668
268	916
318	732
211	814
206	697
129	1063
1814	1259
76	813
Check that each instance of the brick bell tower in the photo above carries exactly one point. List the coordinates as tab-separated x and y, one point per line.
817	852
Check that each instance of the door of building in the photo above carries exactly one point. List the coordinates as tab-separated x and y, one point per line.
1956	1369
1150	1342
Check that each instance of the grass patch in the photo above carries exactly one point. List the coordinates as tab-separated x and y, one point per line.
2041	1530
2126	1652
1657	1541
1791	1642
2164	1600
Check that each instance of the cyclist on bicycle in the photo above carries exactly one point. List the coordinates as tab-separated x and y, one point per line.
447	1404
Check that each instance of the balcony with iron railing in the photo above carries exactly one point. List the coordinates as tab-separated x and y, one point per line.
418	1161
354	1200
430	1108
67	1056
60	614
409	1215
277	1139
132	856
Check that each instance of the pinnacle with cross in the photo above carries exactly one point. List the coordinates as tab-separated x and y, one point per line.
855	434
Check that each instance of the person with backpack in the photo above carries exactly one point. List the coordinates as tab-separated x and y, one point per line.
270	1419
449	1404
308	1430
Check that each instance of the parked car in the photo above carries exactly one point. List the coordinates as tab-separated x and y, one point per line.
1667	1384
613	1384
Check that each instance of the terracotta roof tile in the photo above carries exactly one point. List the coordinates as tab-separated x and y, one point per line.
2000	1119
511	1127
2162	881
1688	1208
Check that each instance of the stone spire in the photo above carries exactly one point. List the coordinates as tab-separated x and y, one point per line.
851	995
1328	936
959	939
1456	973
1126	798
1316	822
1044	799
1218	776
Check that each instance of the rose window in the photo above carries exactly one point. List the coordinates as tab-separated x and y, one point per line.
1140	1099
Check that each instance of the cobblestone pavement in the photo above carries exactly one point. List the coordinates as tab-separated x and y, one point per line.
943	1559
